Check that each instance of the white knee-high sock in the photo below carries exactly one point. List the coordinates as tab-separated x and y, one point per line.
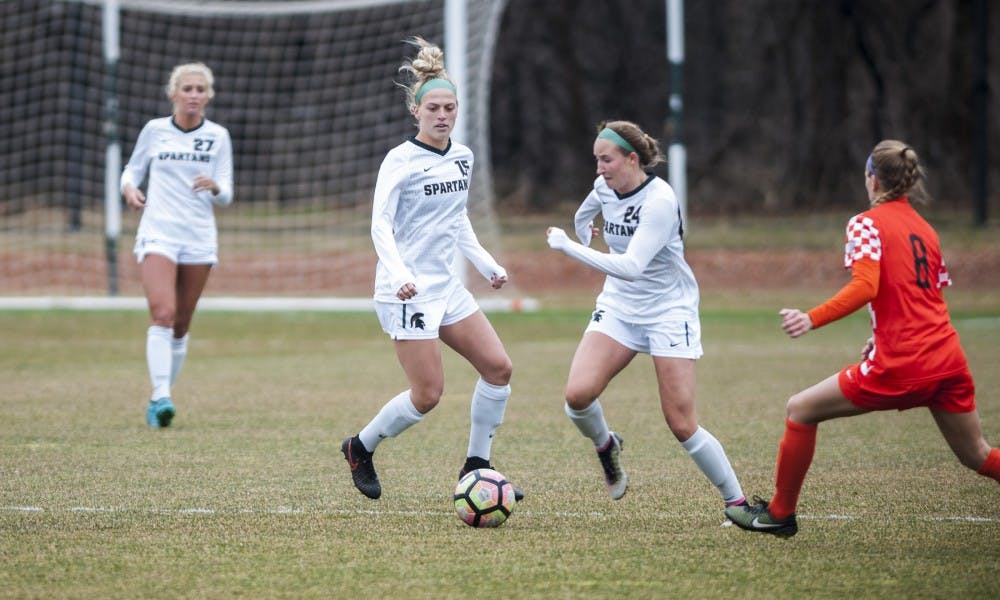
488	405
395	417
707	453
158	359
179	349
590	421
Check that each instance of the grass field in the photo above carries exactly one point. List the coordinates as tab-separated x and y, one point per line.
248	495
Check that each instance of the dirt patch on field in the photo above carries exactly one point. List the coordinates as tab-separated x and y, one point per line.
743	269
539	272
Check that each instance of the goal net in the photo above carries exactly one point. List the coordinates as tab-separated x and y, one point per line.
307	91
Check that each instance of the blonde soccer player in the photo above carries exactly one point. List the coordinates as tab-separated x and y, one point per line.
189	162
419	221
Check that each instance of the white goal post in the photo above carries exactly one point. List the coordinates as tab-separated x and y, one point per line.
305	87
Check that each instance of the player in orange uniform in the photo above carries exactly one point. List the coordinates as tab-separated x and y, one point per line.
913	358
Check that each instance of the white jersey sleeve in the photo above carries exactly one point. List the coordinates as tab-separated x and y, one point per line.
392	177
650	237
468	244
138	164
223	171
584	217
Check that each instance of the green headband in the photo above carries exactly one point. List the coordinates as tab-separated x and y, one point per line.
610	134
434	84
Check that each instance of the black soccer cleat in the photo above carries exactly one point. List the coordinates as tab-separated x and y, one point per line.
757	517
474	462
615	477
362	469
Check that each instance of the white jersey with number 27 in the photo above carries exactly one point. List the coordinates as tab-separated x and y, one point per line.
172	158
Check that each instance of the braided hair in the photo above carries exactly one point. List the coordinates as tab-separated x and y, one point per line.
897	168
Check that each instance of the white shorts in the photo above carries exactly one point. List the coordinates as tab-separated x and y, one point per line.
179	254
669	339
421	320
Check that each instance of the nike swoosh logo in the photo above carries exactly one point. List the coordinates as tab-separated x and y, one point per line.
675	345
758	525
428	168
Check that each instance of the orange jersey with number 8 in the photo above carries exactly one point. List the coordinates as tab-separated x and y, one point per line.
914	338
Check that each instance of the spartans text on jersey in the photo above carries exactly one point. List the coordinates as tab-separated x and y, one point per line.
446	187
619	229
188	156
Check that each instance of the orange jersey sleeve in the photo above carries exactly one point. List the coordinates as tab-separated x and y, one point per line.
859	291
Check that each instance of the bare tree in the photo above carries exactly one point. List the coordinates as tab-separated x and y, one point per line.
783	99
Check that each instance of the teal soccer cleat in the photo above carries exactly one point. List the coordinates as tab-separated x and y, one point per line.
160	413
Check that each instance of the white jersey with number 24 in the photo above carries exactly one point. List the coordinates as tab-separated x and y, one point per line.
648	278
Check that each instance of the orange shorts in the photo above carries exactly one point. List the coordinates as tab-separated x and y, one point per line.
954	393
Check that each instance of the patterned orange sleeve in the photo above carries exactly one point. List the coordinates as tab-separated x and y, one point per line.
860	290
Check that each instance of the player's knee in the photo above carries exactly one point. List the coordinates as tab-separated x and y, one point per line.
579	398
795	409
499	373
162	317
973	457
426	399
682	427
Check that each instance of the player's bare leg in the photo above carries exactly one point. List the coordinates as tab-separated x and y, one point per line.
475	340
159	278
597	360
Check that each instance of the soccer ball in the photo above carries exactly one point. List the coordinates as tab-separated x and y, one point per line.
484	498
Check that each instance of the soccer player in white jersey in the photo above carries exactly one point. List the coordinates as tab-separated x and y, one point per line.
419	220
189	163
649	304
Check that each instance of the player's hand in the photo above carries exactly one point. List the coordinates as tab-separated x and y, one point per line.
406	292
794	322
134	197
595	231
204	182
498	281
869	346
557	238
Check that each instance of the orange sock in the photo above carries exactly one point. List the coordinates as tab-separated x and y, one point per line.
991	468
795	454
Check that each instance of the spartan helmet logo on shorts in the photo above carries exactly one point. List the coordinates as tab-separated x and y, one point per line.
596	317
417	320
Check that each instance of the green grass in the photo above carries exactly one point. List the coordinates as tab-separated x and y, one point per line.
248	496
